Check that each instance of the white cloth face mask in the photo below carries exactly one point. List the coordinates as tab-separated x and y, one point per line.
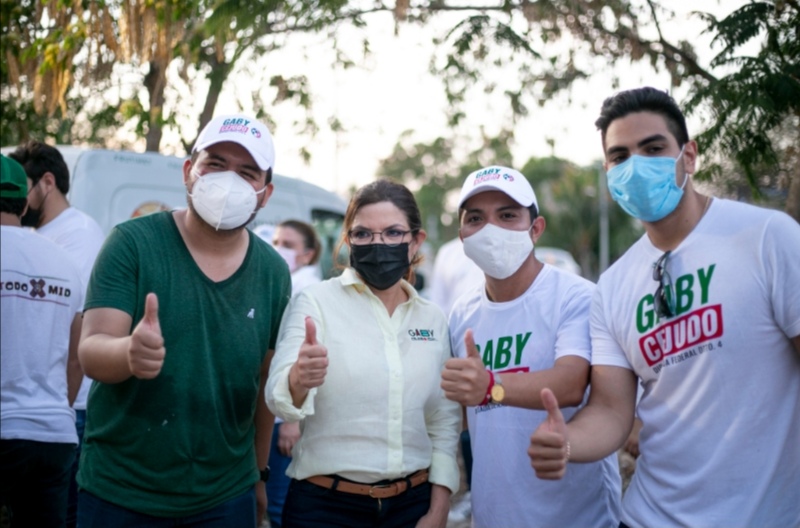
289	255
498	252
223	199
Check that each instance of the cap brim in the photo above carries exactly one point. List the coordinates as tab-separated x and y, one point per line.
490	186
260	160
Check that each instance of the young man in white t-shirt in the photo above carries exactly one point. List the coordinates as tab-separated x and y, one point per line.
704	311
40	324
50	213
523	328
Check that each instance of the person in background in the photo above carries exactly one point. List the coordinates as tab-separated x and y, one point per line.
180	323
453	274
524	327
358	360
297	242
40	304
704	311
73	230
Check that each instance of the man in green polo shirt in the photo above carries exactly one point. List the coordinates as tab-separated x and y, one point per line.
180	323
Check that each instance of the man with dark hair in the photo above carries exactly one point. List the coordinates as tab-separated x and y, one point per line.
180	324
75	232
40	293
704	312
522	327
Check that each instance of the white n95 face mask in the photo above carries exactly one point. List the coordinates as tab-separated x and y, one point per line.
498	252
223	199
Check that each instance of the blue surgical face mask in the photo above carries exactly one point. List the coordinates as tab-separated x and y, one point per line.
645	187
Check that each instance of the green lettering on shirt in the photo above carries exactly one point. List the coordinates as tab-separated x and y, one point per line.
503	356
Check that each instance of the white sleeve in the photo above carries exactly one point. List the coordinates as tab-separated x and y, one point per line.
605	348
291	335
781	256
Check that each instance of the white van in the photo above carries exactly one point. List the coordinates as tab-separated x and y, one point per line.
114	186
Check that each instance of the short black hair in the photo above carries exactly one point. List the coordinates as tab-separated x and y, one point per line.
645	99
37	158
15	206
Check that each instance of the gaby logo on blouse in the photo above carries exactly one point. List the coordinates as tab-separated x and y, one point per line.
420	334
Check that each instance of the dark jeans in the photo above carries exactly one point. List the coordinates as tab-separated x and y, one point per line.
72	502
278	483
35	481
311	506
238	512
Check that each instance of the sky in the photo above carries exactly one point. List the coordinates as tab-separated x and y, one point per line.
392	91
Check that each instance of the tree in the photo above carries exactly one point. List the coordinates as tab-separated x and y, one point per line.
72	41
435	172
755	109
568	197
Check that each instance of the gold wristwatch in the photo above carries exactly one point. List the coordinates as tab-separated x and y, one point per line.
498	393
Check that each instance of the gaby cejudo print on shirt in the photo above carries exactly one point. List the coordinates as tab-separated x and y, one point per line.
693	331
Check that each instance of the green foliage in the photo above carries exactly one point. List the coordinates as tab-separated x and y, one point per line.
435	172
568	200
754	106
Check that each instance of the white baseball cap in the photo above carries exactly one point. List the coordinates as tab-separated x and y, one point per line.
497	178
244	130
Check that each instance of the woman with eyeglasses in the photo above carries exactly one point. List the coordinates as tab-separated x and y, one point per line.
358	360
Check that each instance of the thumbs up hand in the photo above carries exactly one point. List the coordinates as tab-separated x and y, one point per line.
466	380
146	352
549	449
312	363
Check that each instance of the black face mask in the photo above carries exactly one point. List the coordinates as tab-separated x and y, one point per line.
32	217
380	266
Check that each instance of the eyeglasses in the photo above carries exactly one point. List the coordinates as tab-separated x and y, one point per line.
390	236
662	298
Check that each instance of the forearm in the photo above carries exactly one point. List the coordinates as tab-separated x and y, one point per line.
264	421
105	358
74	371
567	379
440	500
524	389
603	425
298	392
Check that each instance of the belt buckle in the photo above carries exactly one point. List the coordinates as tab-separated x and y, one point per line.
381	486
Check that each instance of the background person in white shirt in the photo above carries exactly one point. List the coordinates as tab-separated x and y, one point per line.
523	328
358	360
74	231
453	274
297	242
40	324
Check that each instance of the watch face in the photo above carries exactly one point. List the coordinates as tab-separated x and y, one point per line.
498	393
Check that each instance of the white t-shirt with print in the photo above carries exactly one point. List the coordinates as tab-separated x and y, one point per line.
550	320
81	237
720	445
40	295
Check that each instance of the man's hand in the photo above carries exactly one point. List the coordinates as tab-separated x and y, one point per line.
632	443
549	448
146	353
288	435
465	380
312	363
